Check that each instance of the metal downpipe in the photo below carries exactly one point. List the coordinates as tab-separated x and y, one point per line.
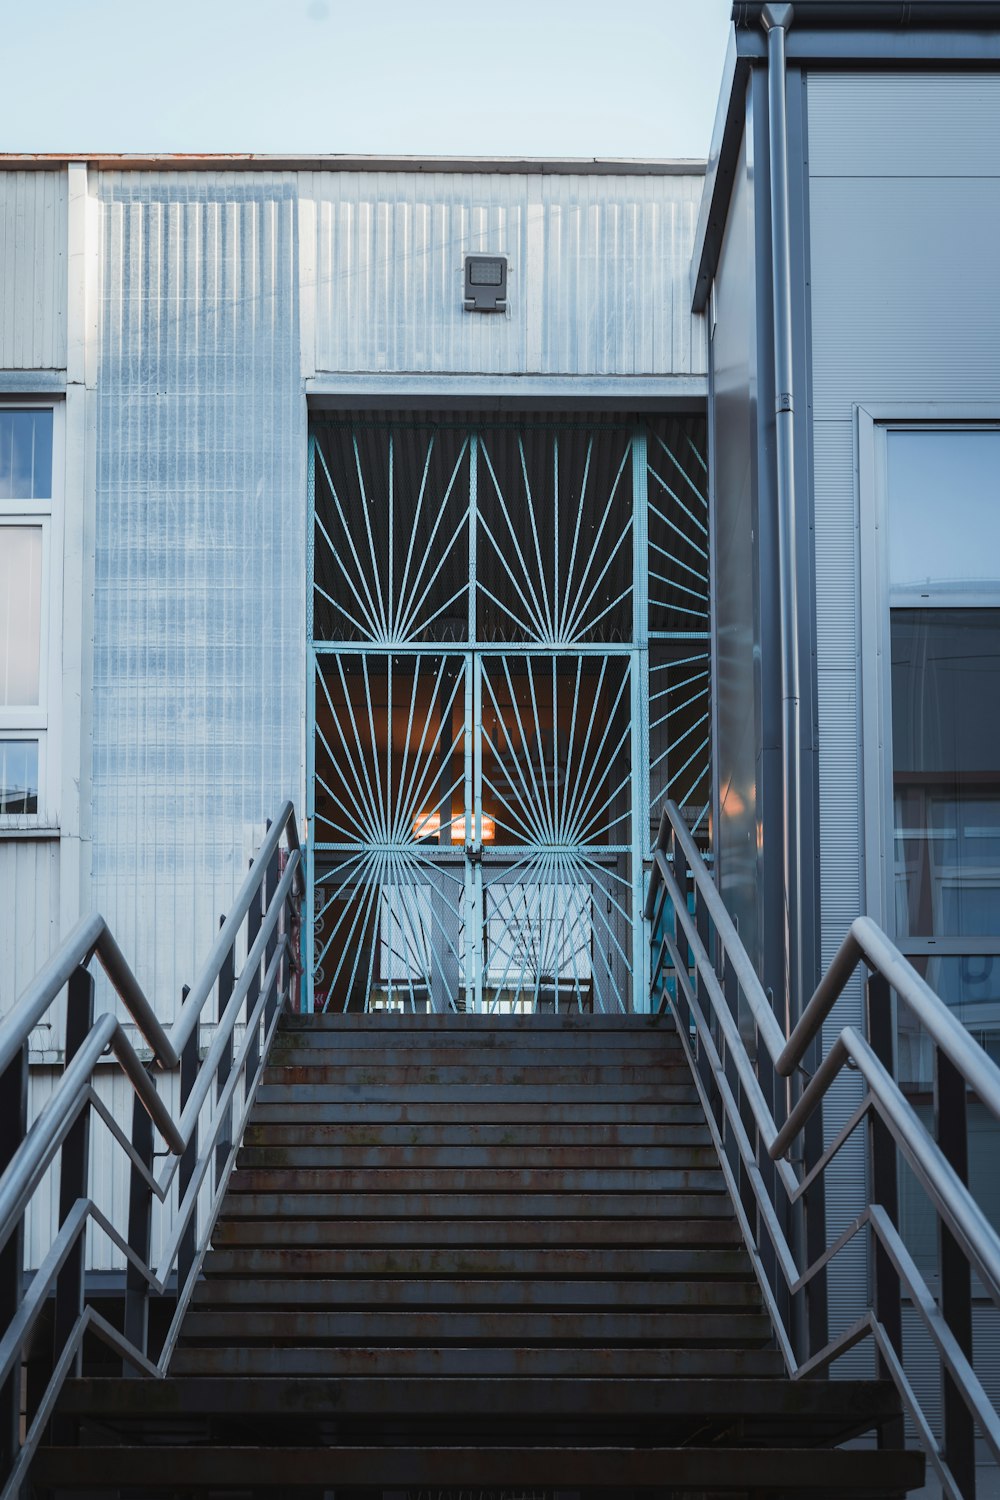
776	19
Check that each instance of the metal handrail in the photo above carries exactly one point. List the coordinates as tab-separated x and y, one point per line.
758	1100
267	907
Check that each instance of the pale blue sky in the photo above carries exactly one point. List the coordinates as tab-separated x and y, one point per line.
520	77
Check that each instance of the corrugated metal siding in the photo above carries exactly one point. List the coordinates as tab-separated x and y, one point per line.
598	273
905	307
29	912
33	270
199	674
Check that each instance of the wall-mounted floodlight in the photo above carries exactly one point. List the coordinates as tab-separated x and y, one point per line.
486	283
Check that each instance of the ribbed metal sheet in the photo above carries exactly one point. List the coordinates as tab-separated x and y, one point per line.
33	270
29	913
199	628
900	124
598	279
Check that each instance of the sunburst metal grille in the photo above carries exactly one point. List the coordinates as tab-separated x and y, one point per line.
510	657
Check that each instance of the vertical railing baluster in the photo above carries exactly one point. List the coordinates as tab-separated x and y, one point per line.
13	1125
883	1176
951	1129
74	1167
271	878
253	991
189	1157
140	1234
224	1138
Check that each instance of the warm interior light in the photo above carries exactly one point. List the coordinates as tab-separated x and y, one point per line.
427	825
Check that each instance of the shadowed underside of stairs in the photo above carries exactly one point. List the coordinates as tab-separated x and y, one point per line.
477	1254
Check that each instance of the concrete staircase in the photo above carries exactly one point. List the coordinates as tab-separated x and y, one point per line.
467	1254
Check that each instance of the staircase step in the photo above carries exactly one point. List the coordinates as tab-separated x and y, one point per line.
465	1158
580	1135
401	1205
443	1050
295	1107
589	1237
491	1026
668	1074
477	1099
412	1182
430	1361
441	1291
707	1327
828	1405
841	1472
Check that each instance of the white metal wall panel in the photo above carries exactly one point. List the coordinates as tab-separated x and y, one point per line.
199	673
33	270
903	124
29	912
598	280
904	204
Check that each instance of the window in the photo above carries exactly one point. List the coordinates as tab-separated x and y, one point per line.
26	636
931	614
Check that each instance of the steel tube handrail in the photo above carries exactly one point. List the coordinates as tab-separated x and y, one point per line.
75	1093
91	936
190	1013
704	1013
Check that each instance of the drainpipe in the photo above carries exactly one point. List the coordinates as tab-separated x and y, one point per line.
776	19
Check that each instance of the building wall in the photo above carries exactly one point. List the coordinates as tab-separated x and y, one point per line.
180	314
737	714
598	273
904	219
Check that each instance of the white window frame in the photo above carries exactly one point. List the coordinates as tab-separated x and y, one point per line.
873	426
42	722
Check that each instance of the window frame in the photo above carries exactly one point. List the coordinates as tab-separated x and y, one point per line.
877	599
41	722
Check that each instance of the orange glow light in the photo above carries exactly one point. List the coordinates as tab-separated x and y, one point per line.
427	825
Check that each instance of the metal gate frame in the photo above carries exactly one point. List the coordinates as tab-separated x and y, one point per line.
685	508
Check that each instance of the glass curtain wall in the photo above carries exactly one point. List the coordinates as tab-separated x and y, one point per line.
509	673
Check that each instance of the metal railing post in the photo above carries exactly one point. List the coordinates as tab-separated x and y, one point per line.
224	1138
951	1130
140	1233
883	1170
74	1167
189	1158
254	919
13	1125
271	878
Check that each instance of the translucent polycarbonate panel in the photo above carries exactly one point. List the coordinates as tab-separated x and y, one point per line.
944	509
199	624
20	615
25	454
33	237
598	272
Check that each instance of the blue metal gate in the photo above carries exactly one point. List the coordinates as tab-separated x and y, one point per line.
509	672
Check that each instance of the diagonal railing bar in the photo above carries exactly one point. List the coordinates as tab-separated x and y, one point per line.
266	908
763	1093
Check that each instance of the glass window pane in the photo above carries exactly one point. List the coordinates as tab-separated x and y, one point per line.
946	771
944	509
18	776
20	614
25	455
